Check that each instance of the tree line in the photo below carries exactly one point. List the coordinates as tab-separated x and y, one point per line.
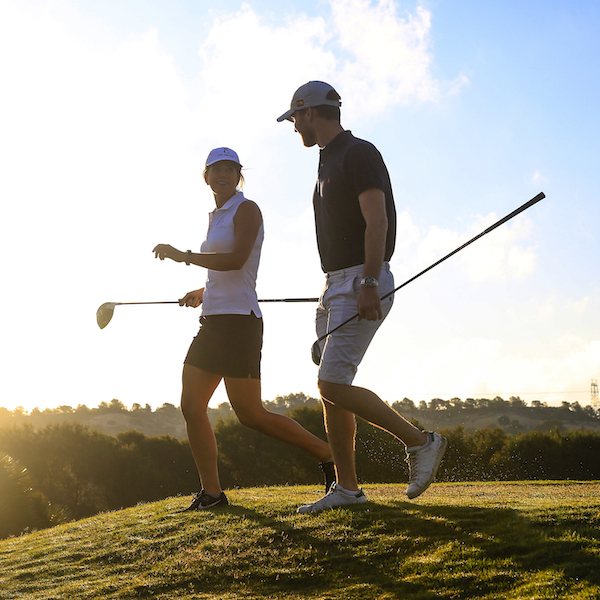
113	417
512	415
68	471
567	411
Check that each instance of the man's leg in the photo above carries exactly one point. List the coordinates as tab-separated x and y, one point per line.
340	404
340	425
341	355
342	352
341	431
370	407
424	450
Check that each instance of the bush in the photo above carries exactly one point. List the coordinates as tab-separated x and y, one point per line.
85	471
21	507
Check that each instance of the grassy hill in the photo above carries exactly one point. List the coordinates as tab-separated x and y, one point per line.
467	541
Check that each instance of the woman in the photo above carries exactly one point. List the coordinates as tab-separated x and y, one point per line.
229	342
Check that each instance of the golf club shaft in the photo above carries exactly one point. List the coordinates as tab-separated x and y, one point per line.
263	300
514	213
130	303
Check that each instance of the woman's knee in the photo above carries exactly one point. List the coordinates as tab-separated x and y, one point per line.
198	387
191	408
251	418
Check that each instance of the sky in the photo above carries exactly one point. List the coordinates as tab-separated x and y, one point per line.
108	111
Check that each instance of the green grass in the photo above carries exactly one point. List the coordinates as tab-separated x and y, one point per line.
471	541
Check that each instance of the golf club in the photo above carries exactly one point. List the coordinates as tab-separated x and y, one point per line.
316	347
105	313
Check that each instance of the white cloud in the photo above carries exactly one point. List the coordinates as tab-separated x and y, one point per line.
546	310
554	376
387	57
456	86
251	81
371	55
407	233
539	179
499	255
570	310
482	367
580	306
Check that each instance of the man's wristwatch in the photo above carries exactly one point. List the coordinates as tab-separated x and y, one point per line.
188	257
369	282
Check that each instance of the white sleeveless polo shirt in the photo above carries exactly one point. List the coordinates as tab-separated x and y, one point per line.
230	292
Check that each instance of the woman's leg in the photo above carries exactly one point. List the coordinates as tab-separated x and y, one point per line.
245	398
198	388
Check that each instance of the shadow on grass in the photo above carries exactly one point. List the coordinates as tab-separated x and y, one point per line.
420	552
305	557
386	550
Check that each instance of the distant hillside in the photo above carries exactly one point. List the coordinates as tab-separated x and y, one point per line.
113	417
512	416
511	421
109	418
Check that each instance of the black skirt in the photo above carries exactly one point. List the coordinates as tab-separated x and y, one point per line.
228	345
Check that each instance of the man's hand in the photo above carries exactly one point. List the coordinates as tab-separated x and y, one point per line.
163	251
372	207
369	304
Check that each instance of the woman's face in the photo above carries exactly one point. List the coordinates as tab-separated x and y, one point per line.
223	177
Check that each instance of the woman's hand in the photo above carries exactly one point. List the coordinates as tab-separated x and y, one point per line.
163	251
193	299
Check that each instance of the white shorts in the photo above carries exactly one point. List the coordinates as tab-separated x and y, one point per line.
342	351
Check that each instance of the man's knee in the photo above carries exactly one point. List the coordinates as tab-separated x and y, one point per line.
332	392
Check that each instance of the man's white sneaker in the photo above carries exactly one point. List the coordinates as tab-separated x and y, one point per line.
423	464
335	497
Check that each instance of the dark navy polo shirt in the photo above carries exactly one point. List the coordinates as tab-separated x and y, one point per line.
348	166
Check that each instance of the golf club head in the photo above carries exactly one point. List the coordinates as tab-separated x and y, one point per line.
316	353
105	313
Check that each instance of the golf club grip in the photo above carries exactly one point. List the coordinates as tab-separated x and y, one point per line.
508	217
289	300
514	213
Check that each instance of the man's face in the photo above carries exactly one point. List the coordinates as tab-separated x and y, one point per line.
304	126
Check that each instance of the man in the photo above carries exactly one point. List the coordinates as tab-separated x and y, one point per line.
356	226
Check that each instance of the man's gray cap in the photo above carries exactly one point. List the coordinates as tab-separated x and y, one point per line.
313	93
